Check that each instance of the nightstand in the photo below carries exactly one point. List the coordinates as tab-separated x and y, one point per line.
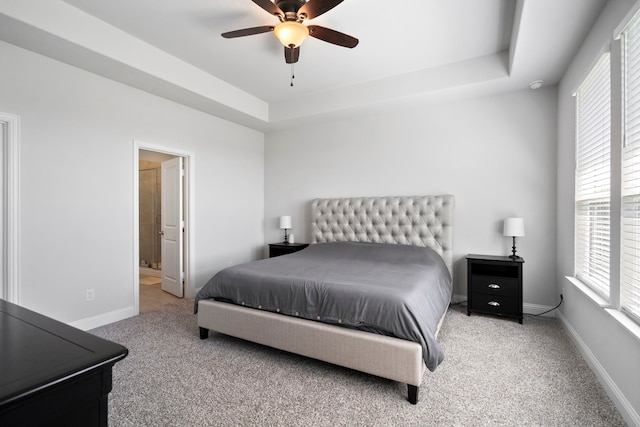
494	285
277	249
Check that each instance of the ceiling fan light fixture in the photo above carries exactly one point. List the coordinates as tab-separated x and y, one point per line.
291	33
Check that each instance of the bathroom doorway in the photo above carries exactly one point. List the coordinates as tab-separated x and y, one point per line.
161	262
149	199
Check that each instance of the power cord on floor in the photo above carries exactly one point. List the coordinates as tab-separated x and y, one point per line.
455	304
551	309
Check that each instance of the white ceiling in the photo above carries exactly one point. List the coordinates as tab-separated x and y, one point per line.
409	51
390	44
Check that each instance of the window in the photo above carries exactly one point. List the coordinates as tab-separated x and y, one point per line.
615	278
630	222
593	176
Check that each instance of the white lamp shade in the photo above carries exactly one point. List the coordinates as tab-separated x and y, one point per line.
514	227
285	222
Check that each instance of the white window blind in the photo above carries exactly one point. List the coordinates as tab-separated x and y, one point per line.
593	171
630	239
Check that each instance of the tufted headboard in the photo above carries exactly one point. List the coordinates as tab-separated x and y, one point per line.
415	220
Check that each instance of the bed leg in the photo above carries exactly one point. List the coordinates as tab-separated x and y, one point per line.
413	393
204	333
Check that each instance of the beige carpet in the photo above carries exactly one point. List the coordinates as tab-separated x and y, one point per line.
496	373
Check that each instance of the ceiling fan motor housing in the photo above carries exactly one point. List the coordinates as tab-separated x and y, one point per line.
290	6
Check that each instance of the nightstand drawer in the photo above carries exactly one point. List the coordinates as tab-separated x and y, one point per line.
496	304
495	285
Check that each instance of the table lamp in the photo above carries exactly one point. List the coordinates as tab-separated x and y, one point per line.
514	227
285	224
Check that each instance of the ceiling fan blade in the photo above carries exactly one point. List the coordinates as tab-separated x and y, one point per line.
270	7
332	36
314	8
247	31
291	55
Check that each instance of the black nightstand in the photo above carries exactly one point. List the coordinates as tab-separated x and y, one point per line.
494	285
277	249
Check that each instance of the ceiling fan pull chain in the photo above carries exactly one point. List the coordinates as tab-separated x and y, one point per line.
292	76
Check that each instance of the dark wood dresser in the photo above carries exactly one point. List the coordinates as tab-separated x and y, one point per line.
494	285
52	374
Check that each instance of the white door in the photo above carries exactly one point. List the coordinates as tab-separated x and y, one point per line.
172	227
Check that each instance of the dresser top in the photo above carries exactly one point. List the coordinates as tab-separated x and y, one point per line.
38	351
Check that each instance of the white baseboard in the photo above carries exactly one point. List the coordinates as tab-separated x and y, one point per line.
537	309
619	400
103	319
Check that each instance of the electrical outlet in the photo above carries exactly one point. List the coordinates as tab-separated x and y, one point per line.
90	294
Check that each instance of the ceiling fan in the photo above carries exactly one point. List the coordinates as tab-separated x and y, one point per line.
291	31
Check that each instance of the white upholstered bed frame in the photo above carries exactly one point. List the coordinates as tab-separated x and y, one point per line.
417	220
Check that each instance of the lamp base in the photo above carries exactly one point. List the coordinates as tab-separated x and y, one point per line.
286	237
513	249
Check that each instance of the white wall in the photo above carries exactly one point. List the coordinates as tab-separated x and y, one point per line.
612	351
495	154
76	184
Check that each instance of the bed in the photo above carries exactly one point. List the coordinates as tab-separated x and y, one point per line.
392	333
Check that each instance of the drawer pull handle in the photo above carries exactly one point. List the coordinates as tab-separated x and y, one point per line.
493	286
494	303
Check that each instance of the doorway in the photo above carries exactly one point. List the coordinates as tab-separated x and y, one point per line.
161	246
149	199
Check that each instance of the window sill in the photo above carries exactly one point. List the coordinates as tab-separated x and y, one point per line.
627	323
632	327
593	296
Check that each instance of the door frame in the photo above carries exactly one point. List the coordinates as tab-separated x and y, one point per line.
9	288
188	204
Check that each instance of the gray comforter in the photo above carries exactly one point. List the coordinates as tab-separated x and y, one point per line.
396	290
